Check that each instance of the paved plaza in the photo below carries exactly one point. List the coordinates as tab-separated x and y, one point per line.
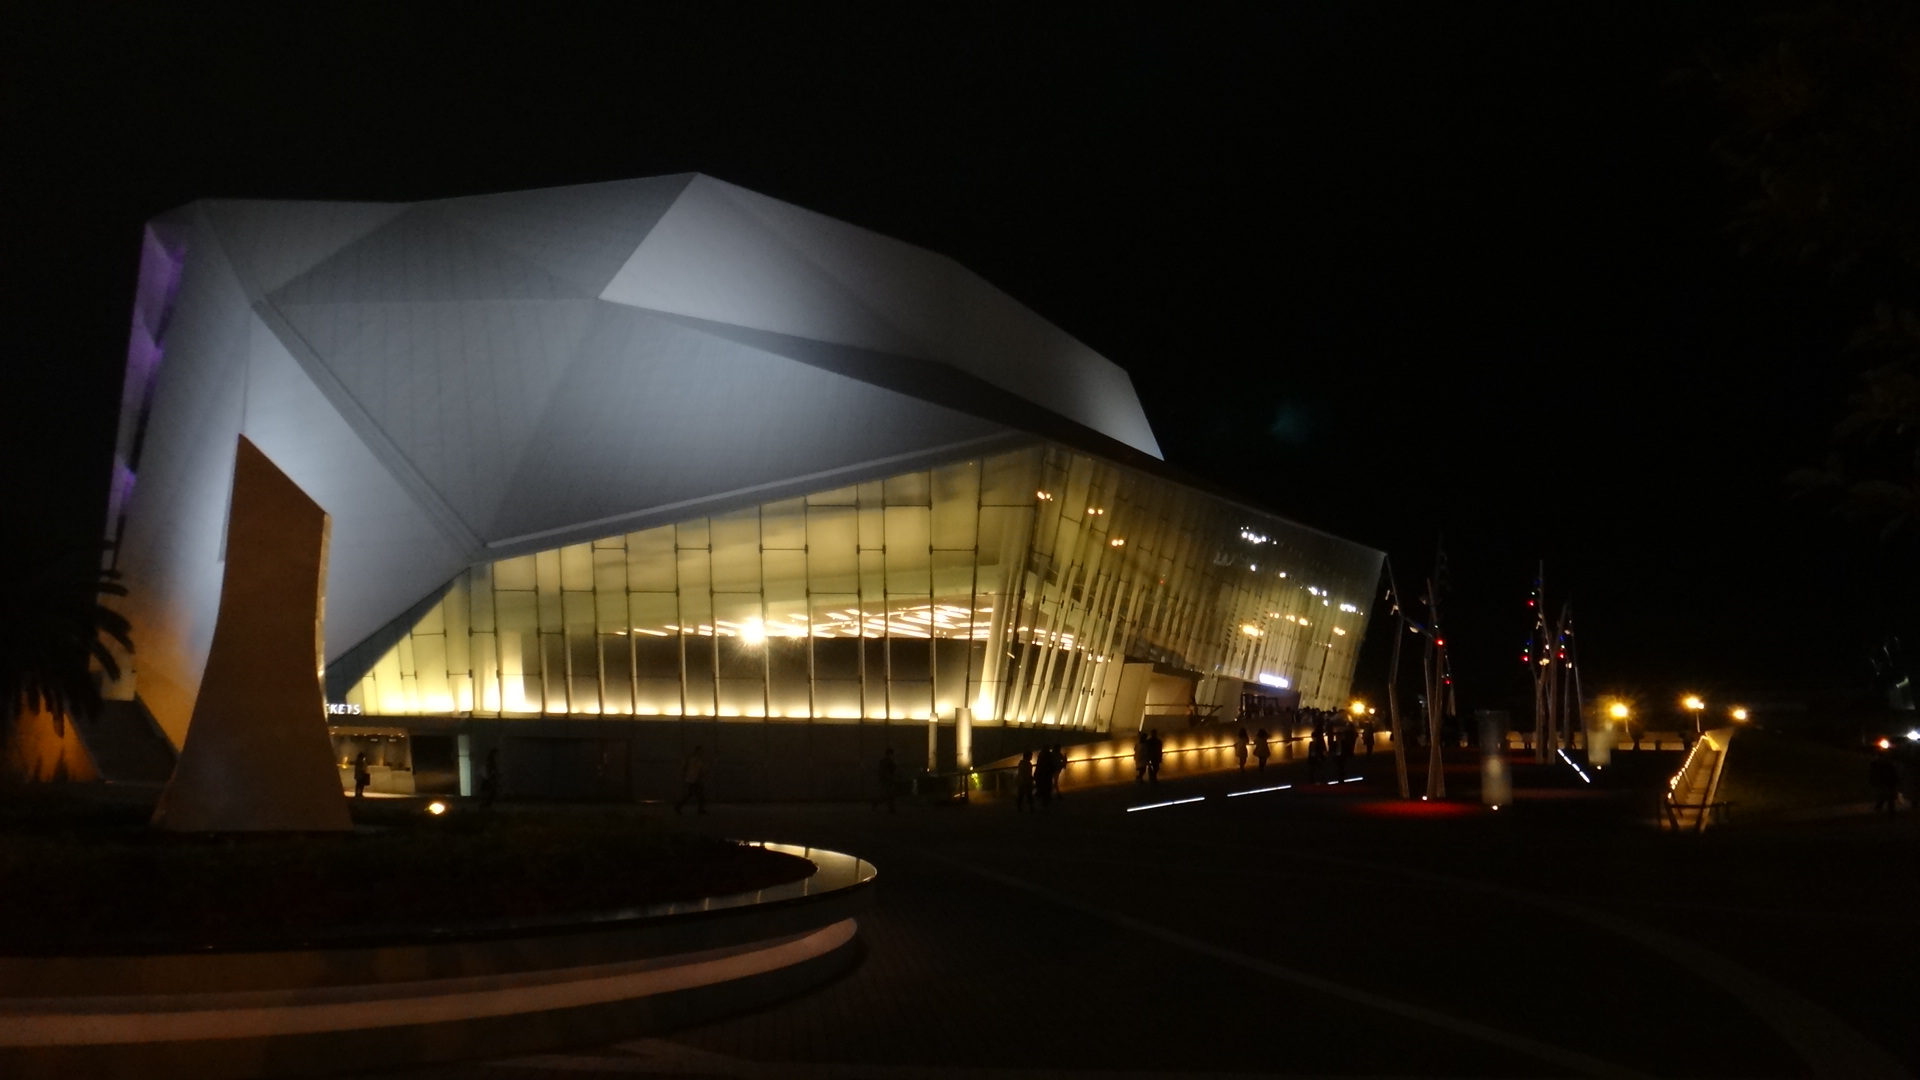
1331	930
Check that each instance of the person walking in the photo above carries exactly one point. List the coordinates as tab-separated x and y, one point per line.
1043	777
885	776
1155	749
1884	778
1366	737
695	775
1059	771
490	779
1316	752
362	775
1261	750
1240	748
1140	757
1023	782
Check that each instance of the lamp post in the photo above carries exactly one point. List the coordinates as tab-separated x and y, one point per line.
1740	713
1694	705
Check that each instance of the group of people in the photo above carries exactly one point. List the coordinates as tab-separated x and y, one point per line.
1147	752
1334	735
1037	781
1894	773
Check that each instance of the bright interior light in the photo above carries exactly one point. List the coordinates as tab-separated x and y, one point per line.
753	632
1266	679
436	808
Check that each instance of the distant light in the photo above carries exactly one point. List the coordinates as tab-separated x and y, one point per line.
1252	566
1348	608
1914	734
1618	710
1357	707
1251	630
753	632
436	808
1739	714
1117	542
1693	702
1496	806
1043	496
1884	744
1339	631
1272	680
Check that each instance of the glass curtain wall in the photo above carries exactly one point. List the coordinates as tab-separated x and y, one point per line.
1013	585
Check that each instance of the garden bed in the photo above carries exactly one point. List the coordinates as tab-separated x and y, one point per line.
88	876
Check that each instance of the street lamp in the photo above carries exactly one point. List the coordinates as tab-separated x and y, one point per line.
1617	710
1358	708
1694	704
1740	713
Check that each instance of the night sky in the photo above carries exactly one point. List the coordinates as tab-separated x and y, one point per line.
1391	270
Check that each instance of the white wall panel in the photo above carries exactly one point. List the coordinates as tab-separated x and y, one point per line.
384	549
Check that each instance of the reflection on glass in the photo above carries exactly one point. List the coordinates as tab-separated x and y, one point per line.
1019	586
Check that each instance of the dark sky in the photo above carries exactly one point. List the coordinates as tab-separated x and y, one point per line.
1392	270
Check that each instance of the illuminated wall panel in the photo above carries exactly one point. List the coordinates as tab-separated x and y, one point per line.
1013	584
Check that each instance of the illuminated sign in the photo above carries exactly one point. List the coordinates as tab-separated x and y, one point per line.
341	708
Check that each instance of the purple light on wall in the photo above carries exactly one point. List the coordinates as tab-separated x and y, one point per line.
153	295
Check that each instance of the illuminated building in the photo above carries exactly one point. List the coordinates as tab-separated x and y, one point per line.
656	450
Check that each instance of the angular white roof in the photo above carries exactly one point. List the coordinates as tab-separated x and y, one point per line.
464	379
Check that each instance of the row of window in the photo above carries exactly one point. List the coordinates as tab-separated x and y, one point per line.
1012	585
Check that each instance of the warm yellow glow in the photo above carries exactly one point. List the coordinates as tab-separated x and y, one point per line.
1617	710
436	808
1251	630
754	632
1358	708
1739	714
1339	631
1117	542
1694	703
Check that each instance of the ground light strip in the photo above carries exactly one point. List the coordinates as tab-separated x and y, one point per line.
1175	802
1576	768
1257	791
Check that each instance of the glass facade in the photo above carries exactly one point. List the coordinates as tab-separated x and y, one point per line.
1014	585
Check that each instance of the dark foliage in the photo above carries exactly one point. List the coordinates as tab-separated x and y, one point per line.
54	630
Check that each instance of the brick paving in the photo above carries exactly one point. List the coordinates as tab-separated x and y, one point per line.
1330	931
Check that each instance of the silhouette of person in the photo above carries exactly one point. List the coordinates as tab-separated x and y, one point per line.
361	776
1059	771
1240	749
490	779
1155	750
1343	735
1316	752
1260	749
1043	776
884	774
1884	778
1023	782
695	775
1140	757
1366	737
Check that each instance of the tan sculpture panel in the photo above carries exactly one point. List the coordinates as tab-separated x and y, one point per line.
257	757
